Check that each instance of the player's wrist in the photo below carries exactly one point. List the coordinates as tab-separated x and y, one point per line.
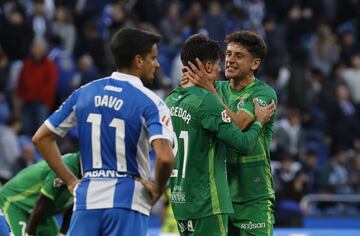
258	123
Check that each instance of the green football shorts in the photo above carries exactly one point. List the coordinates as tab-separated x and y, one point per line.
254	218
214	225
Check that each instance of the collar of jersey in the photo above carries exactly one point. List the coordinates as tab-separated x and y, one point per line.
126	77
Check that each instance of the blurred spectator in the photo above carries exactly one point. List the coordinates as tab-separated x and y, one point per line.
308	175
326	96
274	38
91	44
335	176
171	26
285	180
4	81
299	27
343	120
195	22
26	158
15	34
351	77
355	174
323	49
9	148
120	18
255	12
215	21
39	22
66	67
88	70
113	17
63	27
36	87
288	133
348	43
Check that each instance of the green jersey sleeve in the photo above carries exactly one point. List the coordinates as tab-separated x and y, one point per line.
215	119
263	100
53	185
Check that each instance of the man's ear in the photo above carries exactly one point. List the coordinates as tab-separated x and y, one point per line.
255	64
138	61
209	66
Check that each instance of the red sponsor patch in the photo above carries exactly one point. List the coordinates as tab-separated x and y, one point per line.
165	120
225	117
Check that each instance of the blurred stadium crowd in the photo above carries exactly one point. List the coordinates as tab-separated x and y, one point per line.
48	48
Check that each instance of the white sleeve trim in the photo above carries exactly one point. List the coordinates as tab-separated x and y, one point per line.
53	129
160	136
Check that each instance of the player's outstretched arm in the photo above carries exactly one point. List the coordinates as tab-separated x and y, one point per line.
45	141
163	167
37	214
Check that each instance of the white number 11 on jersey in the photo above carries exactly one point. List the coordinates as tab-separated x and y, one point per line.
119	125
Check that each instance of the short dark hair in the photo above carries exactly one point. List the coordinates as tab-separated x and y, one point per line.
129	42
251	41
199	46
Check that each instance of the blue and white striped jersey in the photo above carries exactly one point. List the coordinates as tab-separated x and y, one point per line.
117	118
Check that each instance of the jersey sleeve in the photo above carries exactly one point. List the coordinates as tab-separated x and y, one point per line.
64	118
158	122
215	119
53	185
263	100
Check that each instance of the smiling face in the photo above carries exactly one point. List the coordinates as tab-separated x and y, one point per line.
239	63
149	64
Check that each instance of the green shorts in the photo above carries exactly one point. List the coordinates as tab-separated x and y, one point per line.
17	220
215	225
253	218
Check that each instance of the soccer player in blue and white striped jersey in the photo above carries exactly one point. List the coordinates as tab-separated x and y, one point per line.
118	119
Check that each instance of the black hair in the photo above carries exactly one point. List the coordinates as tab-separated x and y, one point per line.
199	46
129	42
251	41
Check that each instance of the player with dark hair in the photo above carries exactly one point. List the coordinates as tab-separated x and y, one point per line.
30	199
199	190
118	119
249	173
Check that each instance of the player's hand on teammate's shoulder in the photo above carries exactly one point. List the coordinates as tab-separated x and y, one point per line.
152	188
264	114
198	75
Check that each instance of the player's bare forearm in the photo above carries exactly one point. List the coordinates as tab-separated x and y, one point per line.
37	214
45	141
66	221
164	162
244	120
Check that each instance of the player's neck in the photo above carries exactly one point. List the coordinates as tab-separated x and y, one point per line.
129	71
238	83
188	84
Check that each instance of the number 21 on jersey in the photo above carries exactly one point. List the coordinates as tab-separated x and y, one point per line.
184	135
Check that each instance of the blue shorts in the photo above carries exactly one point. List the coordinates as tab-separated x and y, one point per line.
109	222
4	227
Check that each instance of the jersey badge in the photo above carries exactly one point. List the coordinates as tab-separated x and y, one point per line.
57	182
240	104
225	117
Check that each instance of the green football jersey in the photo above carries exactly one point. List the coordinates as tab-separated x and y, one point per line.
24	189
198	183
249	173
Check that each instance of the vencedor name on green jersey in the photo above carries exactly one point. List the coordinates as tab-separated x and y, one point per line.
198	183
